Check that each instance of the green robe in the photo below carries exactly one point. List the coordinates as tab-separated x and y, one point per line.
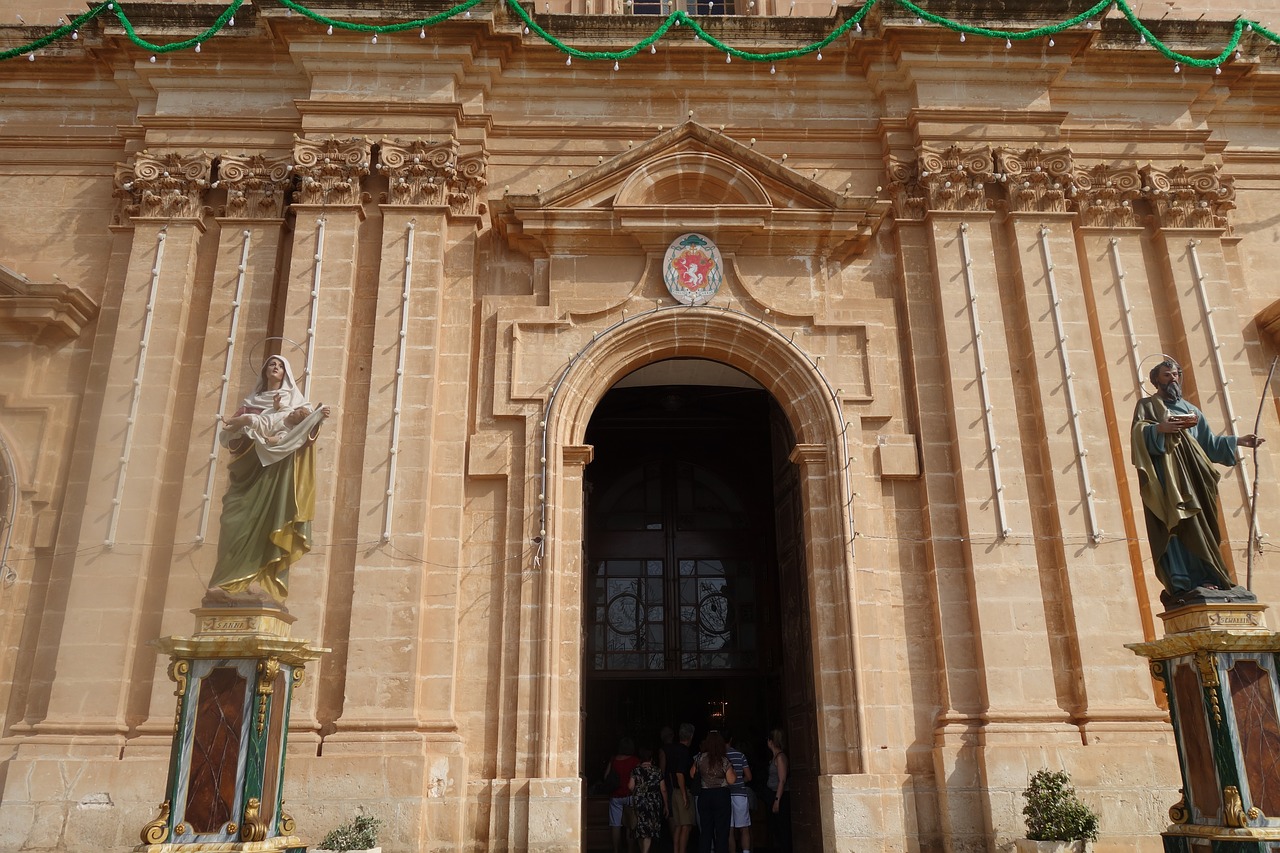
1179	487
266	521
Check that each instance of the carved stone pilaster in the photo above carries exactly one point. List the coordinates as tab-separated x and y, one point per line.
418	171
163	186
1182	197
1104	195
255	185
330	170
956	179
1036	181
468	182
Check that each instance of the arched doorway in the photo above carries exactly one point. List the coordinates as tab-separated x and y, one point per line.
695	602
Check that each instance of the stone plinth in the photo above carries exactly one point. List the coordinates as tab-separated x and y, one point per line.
1218	666
225	788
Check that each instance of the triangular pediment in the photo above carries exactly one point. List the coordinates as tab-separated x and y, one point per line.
688	174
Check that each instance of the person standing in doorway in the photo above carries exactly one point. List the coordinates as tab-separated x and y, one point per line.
648	799
618	771
678	758
740	799
716	773
779	792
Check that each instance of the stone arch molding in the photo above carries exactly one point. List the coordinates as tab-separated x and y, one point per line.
690	178
763	354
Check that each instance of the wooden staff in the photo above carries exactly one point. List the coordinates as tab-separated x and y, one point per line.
1253	495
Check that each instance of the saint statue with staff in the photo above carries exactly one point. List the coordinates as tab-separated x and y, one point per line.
1174	450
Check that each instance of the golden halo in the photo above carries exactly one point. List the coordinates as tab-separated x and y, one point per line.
1143	364
260	344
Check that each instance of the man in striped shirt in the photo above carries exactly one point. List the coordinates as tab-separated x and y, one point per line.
739	797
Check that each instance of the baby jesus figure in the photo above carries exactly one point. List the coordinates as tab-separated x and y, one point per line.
267	426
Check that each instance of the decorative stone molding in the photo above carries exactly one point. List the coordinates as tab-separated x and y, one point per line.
1183	197
1104	195
163	186
37	311
255	185
1036	181
330	170
418	170
466	184
953	179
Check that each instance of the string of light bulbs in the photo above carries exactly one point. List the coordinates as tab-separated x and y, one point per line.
677	18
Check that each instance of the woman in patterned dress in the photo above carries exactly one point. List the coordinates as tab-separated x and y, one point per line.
648	799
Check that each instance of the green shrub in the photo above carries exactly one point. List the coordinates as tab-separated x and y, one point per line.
1054	812
360	834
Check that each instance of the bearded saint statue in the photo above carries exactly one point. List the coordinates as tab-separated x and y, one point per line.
1173	449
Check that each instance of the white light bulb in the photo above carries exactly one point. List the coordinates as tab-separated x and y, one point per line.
819	56
330	30
197	47
374	40
568	60
773	69
615	65
962	38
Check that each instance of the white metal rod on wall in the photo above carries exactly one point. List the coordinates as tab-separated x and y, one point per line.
225	382
984	391
113	519
1215	349
1073	409
315	309
1126	311
399	386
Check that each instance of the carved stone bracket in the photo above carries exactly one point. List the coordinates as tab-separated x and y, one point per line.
1104	195
255	185
466	184
330	170
1036	180
418	171
1183	197
163	186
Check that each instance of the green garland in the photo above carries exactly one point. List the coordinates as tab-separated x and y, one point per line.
674	19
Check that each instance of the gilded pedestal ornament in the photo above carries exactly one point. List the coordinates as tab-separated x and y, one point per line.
1218	666
226	768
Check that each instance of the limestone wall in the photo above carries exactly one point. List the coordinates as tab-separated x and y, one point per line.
946	262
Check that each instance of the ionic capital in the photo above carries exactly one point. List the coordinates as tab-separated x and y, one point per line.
1104	195
1183	197
418	170
1036	181
163	186
330	170
255	185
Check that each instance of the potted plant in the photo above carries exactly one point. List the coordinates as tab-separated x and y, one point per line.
1056	819
359	834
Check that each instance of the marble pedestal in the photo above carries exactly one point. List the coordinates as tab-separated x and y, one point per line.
1218	665
235	679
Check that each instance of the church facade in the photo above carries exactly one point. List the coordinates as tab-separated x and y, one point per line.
754	395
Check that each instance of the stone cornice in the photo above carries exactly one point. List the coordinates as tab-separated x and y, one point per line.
32	311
